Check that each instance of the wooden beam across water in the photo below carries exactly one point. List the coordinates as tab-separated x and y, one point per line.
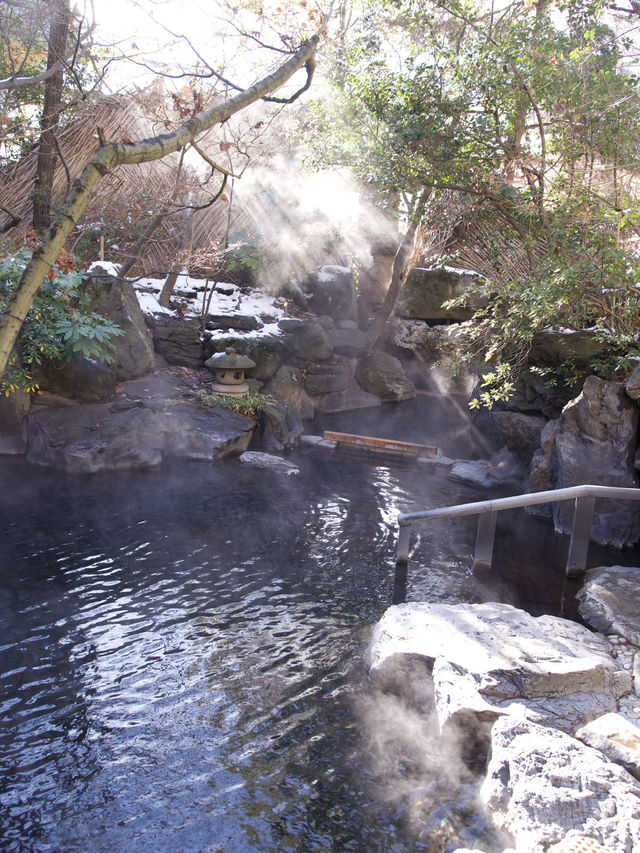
387	446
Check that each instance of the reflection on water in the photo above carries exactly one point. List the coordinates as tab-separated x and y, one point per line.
182	653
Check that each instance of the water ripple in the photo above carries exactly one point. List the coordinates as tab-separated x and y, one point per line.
181	650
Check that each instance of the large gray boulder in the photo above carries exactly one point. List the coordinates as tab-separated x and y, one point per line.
81	378
617	738
197	432
177	339
288	386
493	660
13	411
307	339
268	351
347	401
328	377
502	469
632	386
553	347
520	432
425	290
351	342
383	376
432	367
593	441
90	379
127	434
280	428
609	601
547	788
94	437
133	351
331	292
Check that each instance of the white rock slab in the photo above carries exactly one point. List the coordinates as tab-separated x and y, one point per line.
493	659
267	460
547	788
617	738
609	601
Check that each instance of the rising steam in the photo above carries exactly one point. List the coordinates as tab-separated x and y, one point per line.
302	220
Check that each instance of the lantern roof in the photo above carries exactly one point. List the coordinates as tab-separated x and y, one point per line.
230	359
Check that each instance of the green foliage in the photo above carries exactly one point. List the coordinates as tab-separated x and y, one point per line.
524	124
23	52
241	263
249	406
59	324
586	281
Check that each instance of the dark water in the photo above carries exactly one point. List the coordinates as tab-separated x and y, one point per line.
182	654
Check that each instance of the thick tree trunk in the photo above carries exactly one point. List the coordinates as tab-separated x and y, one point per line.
114	154
185	243
58	33
399	273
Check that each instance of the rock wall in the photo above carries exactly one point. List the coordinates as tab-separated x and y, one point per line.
534	707
593	441
426	290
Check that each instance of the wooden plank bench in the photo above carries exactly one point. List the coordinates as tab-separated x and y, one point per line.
387	446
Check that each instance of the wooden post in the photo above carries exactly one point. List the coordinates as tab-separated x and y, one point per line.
485	536
580	534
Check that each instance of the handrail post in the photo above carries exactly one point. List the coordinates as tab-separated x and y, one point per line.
483	555
402	565
584	498
404	535
580	535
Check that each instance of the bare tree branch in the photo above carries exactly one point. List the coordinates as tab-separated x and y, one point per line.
113	154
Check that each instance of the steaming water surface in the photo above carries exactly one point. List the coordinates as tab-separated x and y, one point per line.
182	662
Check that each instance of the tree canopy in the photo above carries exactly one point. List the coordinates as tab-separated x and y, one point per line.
504	136
523	124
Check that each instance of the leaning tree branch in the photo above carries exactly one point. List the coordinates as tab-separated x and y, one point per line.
114	154
13	220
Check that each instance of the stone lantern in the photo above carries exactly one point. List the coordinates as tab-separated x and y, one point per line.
229	367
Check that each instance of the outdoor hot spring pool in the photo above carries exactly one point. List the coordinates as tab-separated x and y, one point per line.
183	655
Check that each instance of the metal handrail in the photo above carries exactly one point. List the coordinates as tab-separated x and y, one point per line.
584	497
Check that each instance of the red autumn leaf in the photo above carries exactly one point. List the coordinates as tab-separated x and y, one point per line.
225	146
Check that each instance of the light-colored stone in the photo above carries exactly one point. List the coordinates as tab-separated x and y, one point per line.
503	468
383	376
547	788
609	601
616	738
493	659
270	462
